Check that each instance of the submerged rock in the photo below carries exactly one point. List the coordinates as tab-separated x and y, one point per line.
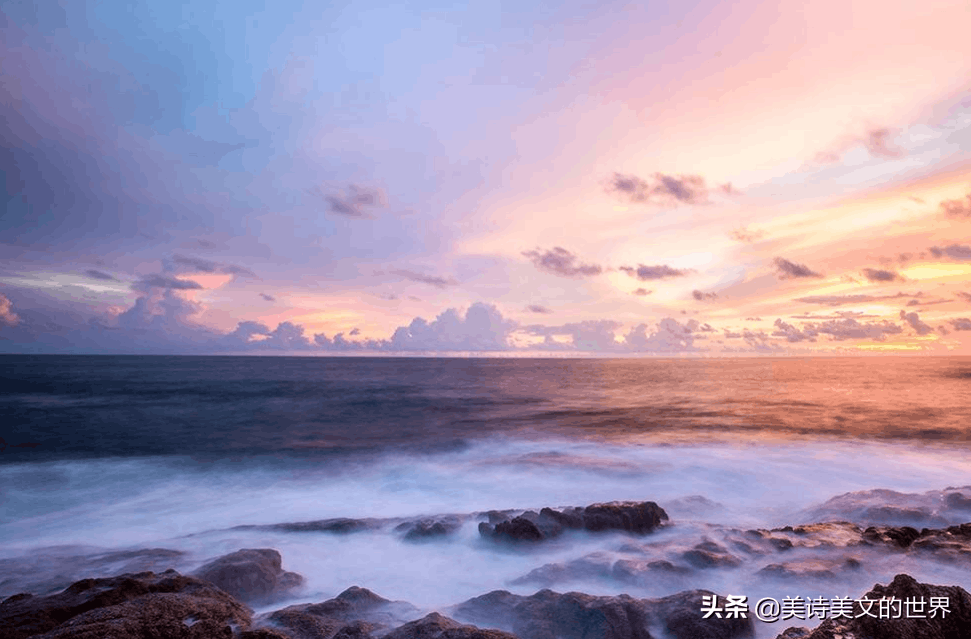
435	626
956	624
354	612
251	575
427	529
883	507
575	615
131	606
637	518
813	569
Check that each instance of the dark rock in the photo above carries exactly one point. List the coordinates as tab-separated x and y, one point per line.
518	529
708	554
355	630
353	606
263	633
251	575
574	615
435	626
957	501
799	632
681	616
634	517
340	525
592	566
637	518
429	528
131	606
897	536
812	569
50	570
956	624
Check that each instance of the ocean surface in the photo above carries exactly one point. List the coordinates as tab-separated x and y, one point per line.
120	463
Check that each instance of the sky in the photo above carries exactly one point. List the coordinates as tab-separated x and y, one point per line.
509	178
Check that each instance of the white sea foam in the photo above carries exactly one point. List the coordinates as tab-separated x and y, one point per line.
193	506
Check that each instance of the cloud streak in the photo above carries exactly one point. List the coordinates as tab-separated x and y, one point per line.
646	273
662	189
786	270
561	262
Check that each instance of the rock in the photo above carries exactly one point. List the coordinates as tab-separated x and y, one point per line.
813	569
954	625
424	529
353	606
50	570
890	508
574	615
637	518
338	525
680	615
132	606
709	554
593	566
251	575
435	626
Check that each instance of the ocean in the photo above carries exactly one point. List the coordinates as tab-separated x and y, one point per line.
114	463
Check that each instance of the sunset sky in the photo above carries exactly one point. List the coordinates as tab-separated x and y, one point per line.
663	178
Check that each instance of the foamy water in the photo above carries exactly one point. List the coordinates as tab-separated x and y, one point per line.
202	456
195	507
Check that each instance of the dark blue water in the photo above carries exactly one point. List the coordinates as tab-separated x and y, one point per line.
63	407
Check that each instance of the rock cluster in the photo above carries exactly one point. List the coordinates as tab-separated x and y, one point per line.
956	624
637	518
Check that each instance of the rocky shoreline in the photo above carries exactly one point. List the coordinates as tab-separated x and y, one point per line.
217	599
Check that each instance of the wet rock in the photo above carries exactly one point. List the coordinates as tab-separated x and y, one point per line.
812	569
954	625
633	570
50	570
709	554
958	501
425	529
882	507
131	606
574	615
353	606
339	525
251	575
435	626
637	518
592	566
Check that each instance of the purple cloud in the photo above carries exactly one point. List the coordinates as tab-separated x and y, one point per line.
790	270
562	262
662	189
656	272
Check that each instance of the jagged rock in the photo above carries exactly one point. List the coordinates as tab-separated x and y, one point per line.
813	569
594	565
251	575
436	626
131	606
429	528
49	570
637	518
574	615
956	624
883	507
709	554
353	607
